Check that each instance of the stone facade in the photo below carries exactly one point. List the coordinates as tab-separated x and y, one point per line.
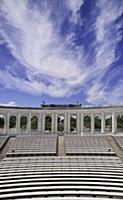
66	111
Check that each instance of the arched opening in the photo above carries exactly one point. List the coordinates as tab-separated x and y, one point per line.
73	123
48	123
120	122
60	124
87	123
23	123
97	123
12	121
2	121
34	123
108	122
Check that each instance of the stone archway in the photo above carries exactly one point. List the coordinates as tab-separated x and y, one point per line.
60	123
48	123
2	122
87	123
97	123
108	122
34	123
73	123
23	123
12	122
120	122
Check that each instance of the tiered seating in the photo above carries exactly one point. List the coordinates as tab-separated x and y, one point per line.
80	145
83	177
26	145
119	140
3	140
26	173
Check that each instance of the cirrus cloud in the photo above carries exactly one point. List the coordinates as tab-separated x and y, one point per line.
57	60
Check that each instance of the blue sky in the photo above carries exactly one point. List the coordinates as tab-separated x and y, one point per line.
61	51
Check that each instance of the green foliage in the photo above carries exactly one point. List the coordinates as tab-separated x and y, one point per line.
34	123
97	123
60	124
48	124
87	122
12	121
2	122
108	122
23	122
120	122
72	124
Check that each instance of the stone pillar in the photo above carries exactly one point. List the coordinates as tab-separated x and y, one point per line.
68	123
114	124
81	123
56	122
78	123
43	123
103	123
39	123
53	123
29	123
7	123
65	123
92	122
18	122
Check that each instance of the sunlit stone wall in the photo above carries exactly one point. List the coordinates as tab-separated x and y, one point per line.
74	120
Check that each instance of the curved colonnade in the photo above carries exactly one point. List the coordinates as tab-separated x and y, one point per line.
70	120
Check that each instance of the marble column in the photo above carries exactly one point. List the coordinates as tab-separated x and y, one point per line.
68	123
43	123
7	123
92	122
78	123
114	124
39	123
29	123
65	123
81	123
53	123
18	122
56	122
103	123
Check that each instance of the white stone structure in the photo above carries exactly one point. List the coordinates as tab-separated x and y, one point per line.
66	111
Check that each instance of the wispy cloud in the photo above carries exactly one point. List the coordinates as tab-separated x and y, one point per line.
56	62
38	46
74	6
11	103
107	39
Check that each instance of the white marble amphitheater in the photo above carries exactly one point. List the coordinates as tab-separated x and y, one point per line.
61	152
